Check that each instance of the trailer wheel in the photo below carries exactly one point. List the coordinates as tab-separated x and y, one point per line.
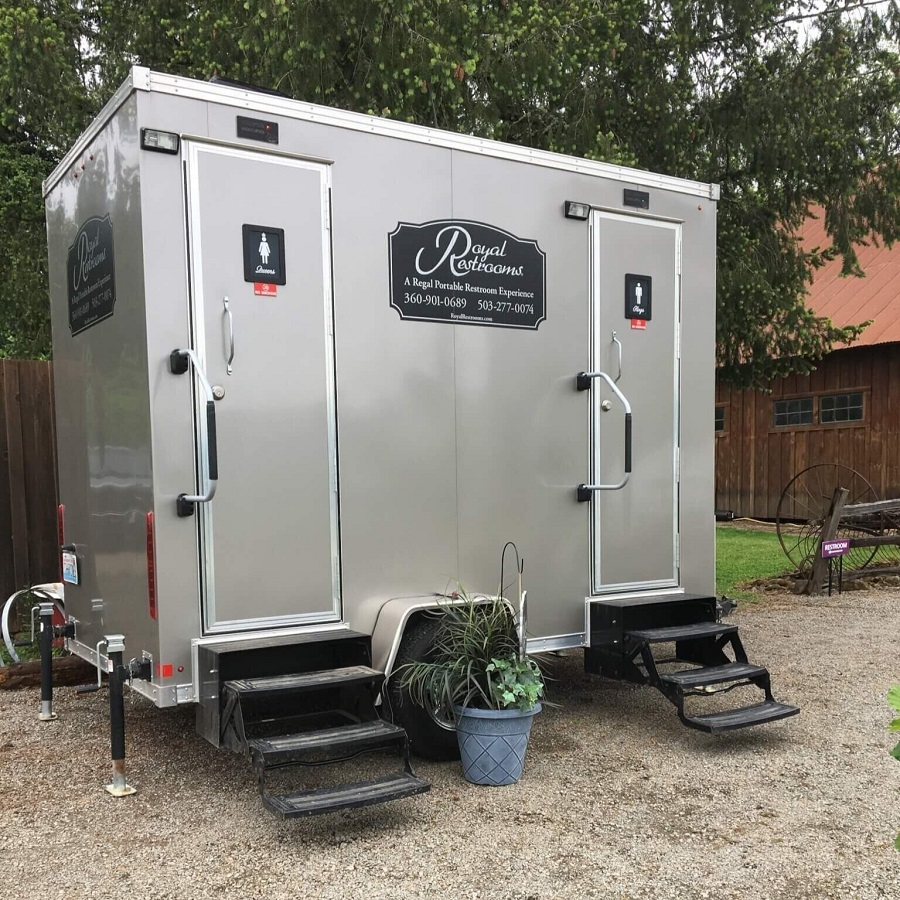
432	732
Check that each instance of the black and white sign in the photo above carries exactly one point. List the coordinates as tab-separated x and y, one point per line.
466	273
91	275
263	254
638	297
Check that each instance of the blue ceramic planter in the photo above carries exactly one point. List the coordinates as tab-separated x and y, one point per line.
492	743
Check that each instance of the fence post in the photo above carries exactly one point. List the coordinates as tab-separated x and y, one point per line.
829	530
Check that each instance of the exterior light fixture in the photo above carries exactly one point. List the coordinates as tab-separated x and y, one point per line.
576	210
159	141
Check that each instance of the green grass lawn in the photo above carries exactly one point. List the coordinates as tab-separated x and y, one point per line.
742	556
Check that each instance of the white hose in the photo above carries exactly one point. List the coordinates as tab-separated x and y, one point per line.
51	591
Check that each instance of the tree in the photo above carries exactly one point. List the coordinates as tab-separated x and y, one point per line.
788	105
43	105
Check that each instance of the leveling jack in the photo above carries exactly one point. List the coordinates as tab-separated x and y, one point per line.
118	673
115	648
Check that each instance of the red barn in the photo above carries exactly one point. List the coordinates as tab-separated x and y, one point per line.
847	411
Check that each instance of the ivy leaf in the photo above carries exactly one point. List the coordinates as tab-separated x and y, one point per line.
894	697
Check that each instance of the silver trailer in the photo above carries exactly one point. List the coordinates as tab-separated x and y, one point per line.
312	367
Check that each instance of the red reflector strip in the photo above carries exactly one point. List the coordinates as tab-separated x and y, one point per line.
60	533
165	670
151	568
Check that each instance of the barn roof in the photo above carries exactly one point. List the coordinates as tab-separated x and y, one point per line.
851	300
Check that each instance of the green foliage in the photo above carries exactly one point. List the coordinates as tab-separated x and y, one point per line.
516	683
894	701
24	308
743	556
790	106
44	104
475	661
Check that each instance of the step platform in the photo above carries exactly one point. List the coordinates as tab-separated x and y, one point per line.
694	631
345	739
304	682
345	796
706	676
625	639
294	720
744	717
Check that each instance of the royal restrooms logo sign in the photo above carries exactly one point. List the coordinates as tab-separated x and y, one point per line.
466	273
91	275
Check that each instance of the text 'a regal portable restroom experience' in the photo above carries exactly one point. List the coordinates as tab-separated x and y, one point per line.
311	367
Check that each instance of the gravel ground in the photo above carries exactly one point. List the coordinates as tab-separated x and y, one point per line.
618	799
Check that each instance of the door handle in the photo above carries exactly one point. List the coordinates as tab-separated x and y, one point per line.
583	382
230	317
179	363
615	340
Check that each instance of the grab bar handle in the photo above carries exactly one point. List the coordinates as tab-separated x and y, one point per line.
230	316
583	382
179	363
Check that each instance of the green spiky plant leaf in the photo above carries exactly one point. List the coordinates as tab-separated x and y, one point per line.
475	660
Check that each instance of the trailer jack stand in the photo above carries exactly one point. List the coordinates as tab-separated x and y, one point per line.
45	611
115	647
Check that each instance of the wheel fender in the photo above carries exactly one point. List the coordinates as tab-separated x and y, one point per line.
392	619
391	622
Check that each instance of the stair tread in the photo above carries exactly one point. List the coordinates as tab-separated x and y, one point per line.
729	720
650	600
681	632
346	796
285	747
713	674
304	681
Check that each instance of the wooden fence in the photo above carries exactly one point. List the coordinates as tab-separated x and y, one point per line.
28	486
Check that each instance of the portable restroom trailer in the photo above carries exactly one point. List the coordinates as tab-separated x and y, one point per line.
312	366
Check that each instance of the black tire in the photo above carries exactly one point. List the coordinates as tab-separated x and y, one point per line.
430	735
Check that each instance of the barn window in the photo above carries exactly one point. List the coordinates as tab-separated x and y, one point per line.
798	411
720	418
841	408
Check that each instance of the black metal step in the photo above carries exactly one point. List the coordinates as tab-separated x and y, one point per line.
344	739
650	600
681	632
345	796
770	711
704	675
302	682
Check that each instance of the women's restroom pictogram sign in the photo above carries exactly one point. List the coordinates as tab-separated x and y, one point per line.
264	263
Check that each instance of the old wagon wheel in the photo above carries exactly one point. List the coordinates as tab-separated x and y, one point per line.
805	502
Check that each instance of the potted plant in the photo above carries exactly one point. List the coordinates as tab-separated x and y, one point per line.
478	667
